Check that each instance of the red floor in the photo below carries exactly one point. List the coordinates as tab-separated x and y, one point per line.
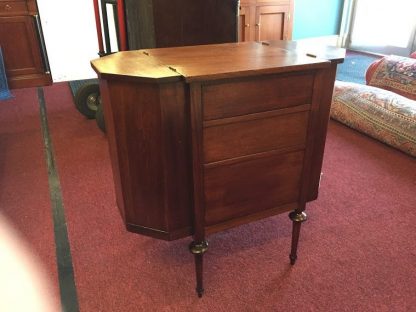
24	191
356	252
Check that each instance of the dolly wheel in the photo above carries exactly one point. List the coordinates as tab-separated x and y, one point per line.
99	117
87	99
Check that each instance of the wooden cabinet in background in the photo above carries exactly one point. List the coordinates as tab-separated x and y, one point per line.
244	23
170	23
262	20
21	41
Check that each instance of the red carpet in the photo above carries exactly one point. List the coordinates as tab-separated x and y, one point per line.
24	192
356	252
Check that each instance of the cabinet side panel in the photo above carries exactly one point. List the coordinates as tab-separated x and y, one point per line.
322	127
109	122
137	136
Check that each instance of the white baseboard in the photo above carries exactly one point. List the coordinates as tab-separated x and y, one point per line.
333	40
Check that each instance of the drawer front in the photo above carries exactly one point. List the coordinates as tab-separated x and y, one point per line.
255	95
13	8
252	136
248	187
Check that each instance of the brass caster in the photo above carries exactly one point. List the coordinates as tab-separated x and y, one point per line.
298	216
198	248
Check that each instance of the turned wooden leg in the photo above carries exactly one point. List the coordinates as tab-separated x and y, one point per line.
297	218
198	249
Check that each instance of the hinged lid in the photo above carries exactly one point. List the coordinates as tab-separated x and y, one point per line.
205	62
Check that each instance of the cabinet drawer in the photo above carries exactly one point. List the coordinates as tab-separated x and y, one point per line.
252	136
13	8
256	95
249	187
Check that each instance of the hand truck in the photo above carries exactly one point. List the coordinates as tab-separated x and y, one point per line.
87	92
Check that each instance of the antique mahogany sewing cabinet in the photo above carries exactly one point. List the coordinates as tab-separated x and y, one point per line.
204	138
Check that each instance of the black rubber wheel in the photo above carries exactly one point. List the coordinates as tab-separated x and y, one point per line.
99	118
87	99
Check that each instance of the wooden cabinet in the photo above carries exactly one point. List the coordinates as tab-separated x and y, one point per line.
169	23
244	23
205	138
21	41
262	20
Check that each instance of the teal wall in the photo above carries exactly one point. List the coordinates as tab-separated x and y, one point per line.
315	18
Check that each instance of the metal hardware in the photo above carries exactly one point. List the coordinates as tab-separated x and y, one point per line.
7	7
257	24
172	69
247	25
299	217
198	248
42	43
105	26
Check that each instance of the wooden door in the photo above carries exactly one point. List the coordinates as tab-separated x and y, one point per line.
272	22
244	23
21	52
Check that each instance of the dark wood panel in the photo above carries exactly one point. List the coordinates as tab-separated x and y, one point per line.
140	28
137	126
254	136
29	81
197	162
13	8
194	22
113	144
152	154
176	151
250	218
21	51
320	132
256	95
161	23
150	150
19	38
251	186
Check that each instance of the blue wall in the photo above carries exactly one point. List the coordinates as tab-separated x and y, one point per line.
315	18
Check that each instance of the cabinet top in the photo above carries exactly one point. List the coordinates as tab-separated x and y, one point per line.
206	62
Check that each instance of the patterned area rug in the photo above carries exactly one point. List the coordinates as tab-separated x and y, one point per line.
4	89
354	67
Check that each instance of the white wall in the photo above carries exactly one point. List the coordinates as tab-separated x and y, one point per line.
70	36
